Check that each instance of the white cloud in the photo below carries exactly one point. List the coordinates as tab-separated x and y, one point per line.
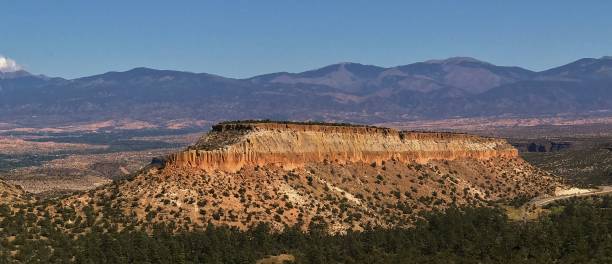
8	65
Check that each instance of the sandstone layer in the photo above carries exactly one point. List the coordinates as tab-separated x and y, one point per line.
346	177
232	146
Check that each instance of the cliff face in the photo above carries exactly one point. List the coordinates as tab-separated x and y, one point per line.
233	176
230	147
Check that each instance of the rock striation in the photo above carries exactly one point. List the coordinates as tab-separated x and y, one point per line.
347	177
231	146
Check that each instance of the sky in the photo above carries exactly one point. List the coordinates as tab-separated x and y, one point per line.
245	38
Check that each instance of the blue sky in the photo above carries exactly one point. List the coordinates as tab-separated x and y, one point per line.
246	38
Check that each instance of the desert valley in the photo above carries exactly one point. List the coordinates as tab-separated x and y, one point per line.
274	132
280	176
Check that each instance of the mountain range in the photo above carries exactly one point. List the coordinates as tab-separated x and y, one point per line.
351	92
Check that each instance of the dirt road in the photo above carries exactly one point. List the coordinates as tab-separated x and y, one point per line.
541	201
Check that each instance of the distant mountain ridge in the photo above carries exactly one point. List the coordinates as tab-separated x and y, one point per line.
468	74
353	92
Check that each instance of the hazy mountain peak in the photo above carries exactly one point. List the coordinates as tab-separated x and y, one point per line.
456	60
146	70
342	66
583	68
14	74
142	69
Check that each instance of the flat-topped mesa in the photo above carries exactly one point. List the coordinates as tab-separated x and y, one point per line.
231	146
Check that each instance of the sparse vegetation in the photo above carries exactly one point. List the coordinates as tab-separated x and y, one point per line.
585	161
576	231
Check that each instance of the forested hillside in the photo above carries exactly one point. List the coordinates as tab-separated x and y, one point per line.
576	231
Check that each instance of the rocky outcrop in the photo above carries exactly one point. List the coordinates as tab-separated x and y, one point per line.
542	145
231	146
242	174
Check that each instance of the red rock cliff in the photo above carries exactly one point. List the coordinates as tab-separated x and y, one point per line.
229	147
